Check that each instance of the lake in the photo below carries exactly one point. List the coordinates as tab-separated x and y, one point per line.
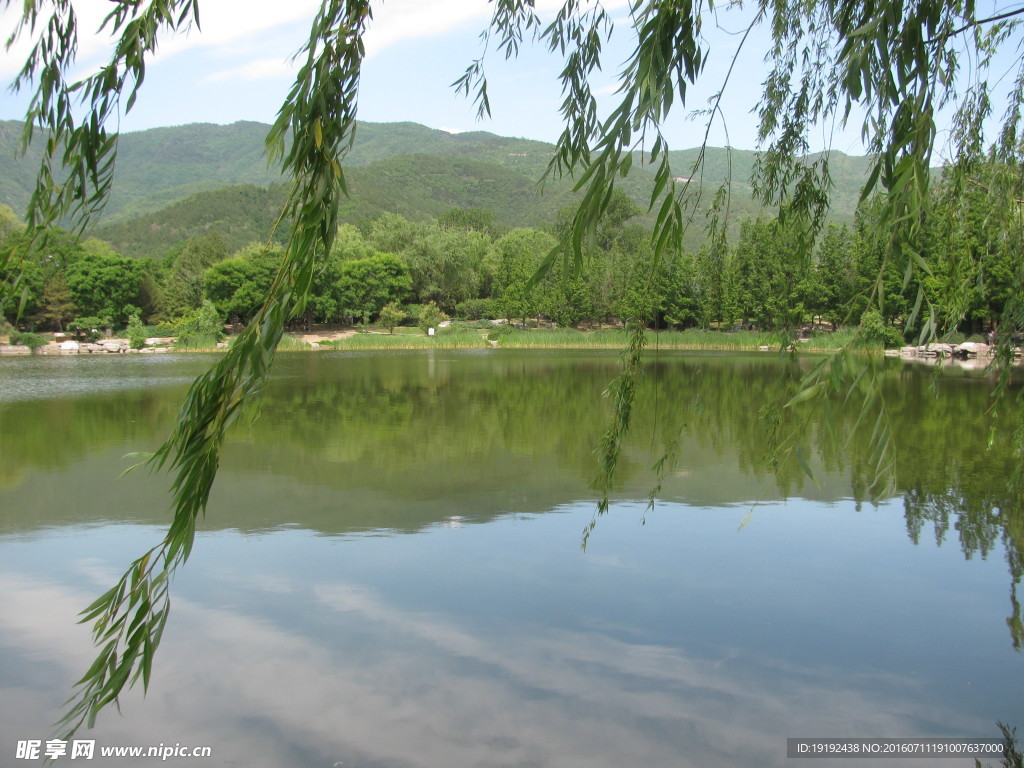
390	572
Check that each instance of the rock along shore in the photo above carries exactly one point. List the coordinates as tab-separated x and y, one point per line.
102	347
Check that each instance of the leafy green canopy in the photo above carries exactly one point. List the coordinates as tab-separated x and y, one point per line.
897	61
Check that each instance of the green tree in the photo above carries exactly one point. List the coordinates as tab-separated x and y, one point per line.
350	243
204	325
391	315
471	219
56	305
44	258
102	284
430	317
237	286
837	276
184	285
390	233
769	275
445	264
510	263
365	286
136	332
972	277
716	286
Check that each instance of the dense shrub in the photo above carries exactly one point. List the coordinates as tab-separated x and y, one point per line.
136	332
202	326
412	317
391	315
430	316
162	330
475	309
89	327
500	331
875	333
28	339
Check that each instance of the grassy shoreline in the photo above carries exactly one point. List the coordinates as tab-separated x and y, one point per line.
477	336
571	338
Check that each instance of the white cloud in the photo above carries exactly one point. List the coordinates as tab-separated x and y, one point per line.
90	43
227	23
257	69
399	20
230	21
606	90
421	688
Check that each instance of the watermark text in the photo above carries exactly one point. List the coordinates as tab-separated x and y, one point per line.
86	749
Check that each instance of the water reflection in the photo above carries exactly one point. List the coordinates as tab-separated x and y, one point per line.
345	658
399	442
390	572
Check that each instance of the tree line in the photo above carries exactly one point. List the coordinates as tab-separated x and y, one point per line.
467	266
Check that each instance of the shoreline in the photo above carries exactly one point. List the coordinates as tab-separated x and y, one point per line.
972	355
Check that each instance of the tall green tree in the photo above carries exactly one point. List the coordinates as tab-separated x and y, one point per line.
365	286
237	286
773	281
56	304
184	285
510	263
836	265
105	284
445	264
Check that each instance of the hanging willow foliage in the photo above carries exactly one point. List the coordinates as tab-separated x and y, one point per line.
896	62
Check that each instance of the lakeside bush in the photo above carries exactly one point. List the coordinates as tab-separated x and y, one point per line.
430	317
875	332
196	343
200	329
136	332
28	339
475	309
289	343
446	338
89	327
479	325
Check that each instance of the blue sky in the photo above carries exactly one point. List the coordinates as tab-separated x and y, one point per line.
238	68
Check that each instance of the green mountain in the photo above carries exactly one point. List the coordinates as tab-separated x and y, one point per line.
173	183
164	165
419	187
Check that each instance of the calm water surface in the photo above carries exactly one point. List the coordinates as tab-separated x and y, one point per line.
390	573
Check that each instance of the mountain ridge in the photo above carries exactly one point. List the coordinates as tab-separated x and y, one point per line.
168	178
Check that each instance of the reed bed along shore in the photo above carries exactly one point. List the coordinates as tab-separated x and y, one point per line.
472	336
454	338
571	338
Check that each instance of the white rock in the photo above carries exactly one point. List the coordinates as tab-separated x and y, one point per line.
975	348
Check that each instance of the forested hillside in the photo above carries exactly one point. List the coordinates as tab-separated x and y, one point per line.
175	176
419	187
